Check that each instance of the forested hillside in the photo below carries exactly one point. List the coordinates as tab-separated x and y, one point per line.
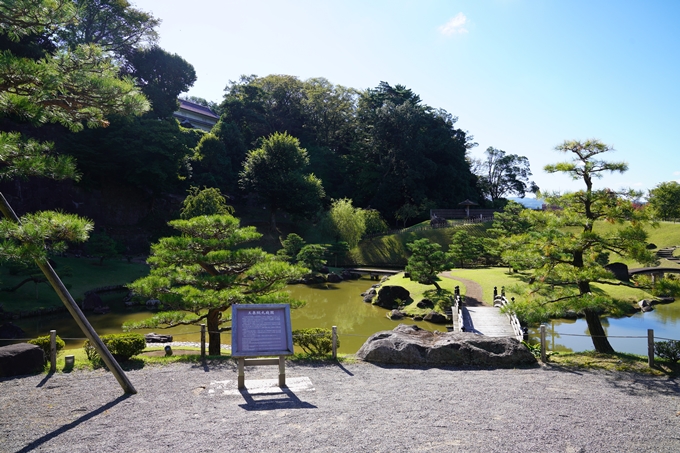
382	148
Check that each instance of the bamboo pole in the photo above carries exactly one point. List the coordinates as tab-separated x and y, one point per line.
75	311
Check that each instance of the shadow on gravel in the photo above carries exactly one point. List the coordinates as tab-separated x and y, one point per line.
49	436
284	400
45	379
452	367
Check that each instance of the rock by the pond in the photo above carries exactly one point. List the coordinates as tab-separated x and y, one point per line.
157	338
333	278
19	359
411	345
389	295
645	305
425	303
9	331
395	315
92	301
434	317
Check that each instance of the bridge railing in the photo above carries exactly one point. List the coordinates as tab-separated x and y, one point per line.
501	301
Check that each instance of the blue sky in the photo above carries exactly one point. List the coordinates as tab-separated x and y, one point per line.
521	76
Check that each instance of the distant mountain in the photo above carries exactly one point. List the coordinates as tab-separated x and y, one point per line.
531	203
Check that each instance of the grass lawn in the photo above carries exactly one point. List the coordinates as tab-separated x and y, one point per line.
78	274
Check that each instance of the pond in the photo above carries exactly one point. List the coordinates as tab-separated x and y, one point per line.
327	305
571	334
341	305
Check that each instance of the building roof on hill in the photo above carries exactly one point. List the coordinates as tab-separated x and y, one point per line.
197	108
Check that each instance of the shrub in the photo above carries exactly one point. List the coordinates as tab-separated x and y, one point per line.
315	342
121	345
668	350
44	343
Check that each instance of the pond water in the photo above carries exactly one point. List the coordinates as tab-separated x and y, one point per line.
572	334
341	305
327	305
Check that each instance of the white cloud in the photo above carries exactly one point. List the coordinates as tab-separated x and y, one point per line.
456	25
676	173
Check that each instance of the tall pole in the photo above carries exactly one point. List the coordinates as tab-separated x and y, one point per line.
75	311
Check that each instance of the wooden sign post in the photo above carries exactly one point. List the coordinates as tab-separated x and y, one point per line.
261	330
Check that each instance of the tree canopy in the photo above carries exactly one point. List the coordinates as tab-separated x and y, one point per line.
502	174
567	253
427	260
664	200
276	172
198	275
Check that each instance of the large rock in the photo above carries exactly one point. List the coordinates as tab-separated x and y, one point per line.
9	331
411	345
19	359
436	318
92	301
333	278
388	296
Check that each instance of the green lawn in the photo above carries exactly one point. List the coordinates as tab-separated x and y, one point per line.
78	274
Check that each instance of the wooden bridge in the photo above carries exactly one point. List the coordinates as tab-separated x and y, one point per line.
485	320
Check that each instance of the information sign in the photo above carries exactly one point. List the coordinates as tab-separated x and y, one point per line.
260	330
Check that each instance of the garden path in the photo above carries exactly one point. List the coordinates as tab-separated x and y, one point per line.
473	290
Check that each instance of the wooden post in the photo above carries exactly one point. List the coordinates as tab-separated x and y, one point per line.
282	371
650	347
53	351
544	357
241	373
335	342
74	310
203	341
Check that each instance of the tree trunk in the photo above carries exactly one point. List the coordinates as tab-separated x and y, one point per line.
214	317
597	333
272	220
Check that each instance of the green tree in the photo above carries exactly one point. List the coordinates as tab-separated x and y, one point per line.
427	260
291	247
664	200
465	249
564	247
102	246
276	173
375	224
312	256
406	212
197	276
206	201
501	174
345	222
211	165
162	76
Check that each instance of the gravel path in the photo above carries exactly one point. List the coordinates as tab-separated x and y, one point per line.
341	408
473	290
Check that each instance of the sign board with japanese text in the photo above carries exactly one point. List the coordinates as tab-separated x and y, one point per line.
261	330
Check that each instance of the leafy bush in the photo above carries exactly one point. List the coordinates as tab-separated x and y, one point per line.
121	345
315	342
668	350
44	343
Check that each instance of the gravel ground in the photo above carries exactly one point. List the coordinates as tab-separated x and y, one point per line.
357	407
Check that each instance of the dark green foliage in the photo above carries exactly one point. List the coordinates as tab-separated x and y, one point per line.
211	165
664	200
337	250
276	172
466	249
669	350
375	224
121	345
312	256
45	344
426	261
291	247
162	76
144	153
315	342
501	174
206	201
102	246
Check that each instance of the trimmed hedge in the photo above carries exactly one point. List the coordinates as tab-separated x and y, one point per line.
315	341
44	343
121	345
